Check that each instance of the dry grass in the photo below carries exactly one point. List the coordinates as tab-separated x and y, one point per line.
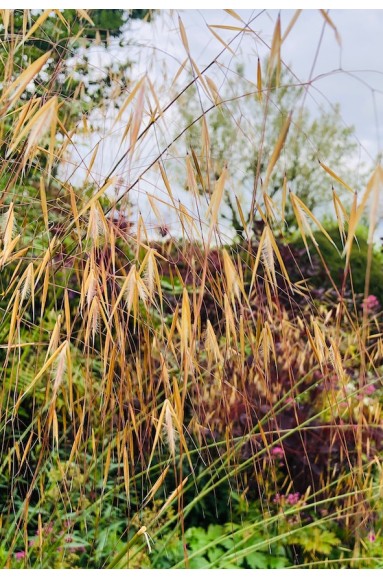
134	369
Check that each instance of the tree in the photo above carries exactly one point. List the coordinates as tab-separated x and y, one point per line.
44	60
244	129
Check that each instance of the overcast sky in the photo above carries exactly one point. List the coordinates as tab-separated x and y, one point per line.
360	55
349	73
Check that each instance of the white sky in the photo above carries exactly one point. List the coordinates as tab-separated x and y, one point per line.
360	54
350	74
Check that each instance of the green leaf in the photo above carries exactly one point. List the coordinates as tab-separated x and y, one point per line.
198	562
215	554
317	540
257	560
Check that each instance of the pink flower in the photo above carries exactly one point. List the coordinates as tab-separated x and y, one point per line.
369	389
293	499
46	530
371	536
371	304
277	452
290	499
20	555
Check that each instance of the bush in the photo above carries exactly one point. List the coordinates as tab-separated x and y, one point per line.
336	263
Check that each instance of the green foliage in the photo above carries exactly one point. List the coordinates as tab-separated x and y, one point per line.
317	541
336	263
207	546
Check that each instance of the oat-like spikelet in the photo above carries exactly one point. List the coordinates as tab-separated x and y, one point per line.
91	287
211	344
232	278
268	256
55	337
27	283
27	286
97	225
13	92
216	198
170	431
7	226
93	323
60	367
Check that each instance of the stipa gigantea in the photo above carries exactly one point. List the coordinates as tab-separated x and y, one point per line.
137	118
84	14
48	256
233	284
155	371
320	348
270	207
332	25
219	38
60	368
200	77
7	226
335	176
97	225
335	359
192	182
93	320
303	224
45	120
277	151
300	208
156	486
173	496
213	90
6	18
7	255
291	25
211	345
55	337
11	94
27	284
151	276
266	250
37	24
268	257
135	290
126	103
90	285
231	333
341	215
216	198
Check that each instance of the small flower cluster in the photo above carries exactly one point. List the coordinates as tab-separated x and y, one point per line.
371	304
288	499
277	452
20	555
45	532
371	536
369	389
